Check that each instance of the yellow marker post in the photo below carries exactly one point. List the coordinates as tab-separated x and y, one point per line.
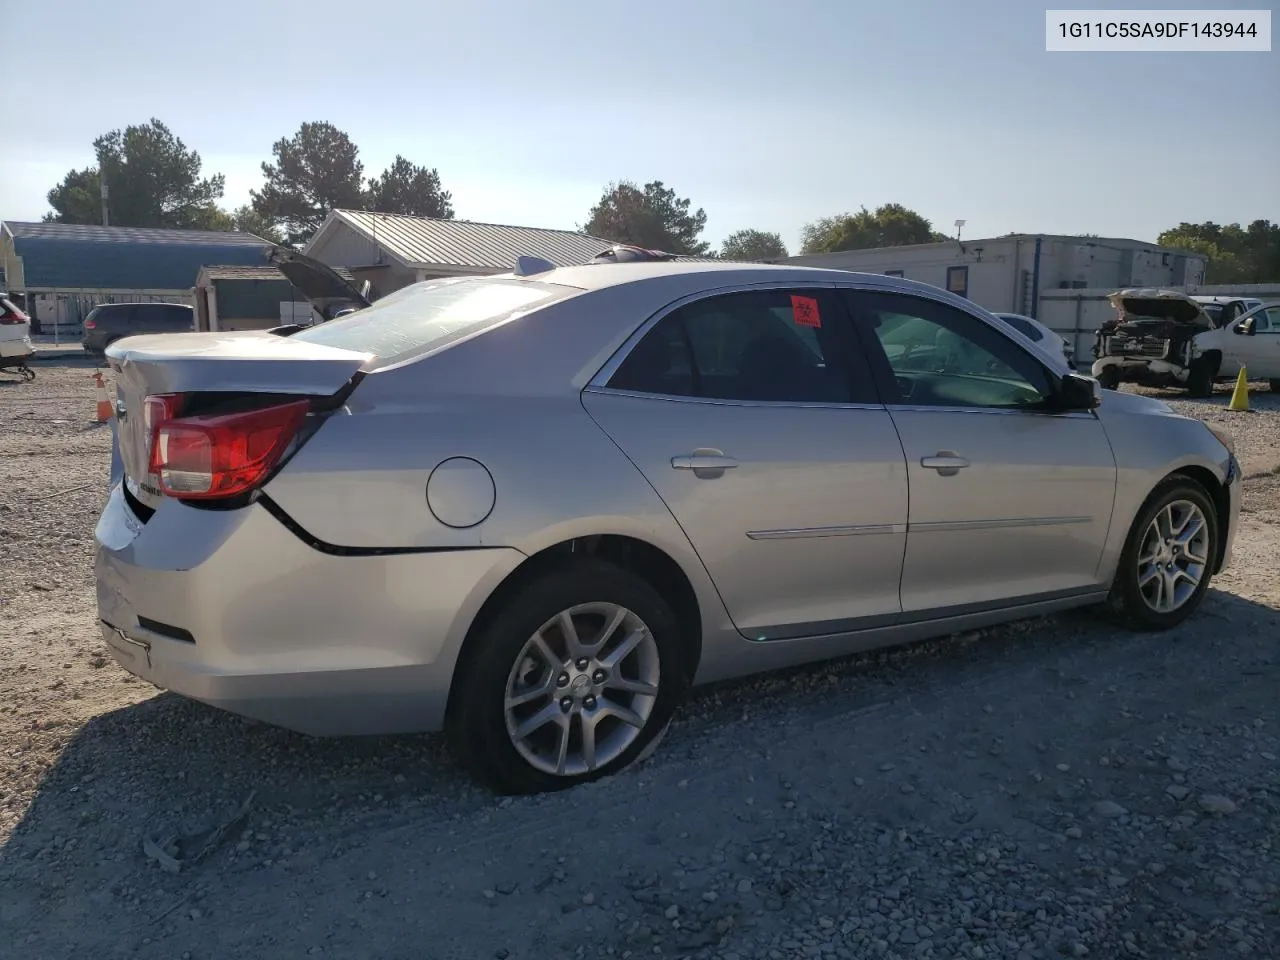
1240	395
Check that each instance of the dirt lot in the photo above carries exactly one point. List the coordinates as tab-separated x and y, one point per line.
1055	788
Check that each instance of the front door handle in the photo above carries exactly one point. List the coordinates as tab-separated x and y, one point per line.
947	462
705	462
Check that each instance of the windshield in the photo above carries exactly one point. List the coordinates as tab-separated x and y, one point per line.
431	314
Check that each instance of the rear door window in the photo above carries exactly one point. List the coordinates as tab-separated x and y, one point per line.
162	317
779	346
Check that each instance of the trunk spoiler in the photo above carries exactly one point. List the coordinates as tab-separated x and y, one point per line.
324	287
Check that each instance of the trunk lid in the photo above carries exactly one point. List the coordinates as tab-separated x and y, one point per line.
324	287
223	364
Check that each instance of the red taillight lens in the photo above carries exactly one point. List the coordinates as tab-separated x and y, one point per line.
12	319
90	324
211	457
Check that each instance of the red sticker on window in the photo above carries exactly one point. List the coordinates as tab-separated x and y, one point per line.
804	310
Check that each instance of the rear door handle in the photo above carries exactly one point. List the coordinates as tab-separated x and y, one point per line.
947	462
705	463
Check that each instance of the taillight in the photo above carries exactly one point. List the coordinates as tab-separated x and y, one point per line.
90	324
12	319
221	455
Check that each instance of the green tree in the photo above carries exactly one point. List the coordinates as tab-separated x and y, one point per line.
410	190
652	217
247	219
1236	254
753	245
891	225
153	180
318	169
77	199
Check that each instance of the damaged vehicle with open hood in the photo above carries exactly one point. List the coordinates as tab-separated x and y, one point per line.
1165	338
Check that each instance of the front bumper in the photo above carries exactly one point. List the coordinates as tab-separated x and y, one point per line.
1233	483
1156	373
230	608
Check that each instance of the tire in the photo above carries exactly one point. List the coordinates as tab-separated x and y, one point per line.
1200	376
1128	602
501	658
1274	385
1109	378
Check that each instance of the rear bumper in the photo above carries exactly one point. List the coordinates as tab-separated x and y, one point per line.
15	348
232	609
95	341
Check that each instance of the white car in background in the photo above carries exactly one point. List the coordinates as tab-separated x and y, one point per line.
15	340
1038	333
1224	311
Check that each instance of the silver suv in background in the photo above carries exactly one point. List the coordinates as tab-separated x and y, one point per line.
109	322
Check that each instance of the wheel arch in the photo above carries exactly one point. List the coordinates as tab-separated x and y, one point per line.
636	556
1218	494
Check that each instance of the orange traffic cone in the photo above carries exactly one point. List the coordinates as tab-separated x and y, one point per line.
104	405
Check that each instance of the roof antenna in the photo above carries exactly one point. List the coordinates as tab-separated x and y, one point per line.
528	266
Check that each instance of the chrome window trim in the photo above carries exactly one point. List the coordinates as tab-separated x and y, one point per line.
598	384
717	401
990	411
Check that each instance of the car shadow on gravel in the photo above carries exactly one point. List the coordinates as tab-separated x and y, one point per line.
168	766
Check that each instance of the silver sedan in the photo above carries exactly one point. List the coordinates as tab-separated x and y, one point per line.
534	509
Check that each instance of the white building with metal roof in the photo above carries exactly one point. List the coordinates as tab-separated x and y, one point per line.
392	251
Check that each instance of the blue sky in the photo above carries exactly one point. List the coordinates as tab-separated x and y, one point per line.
768	115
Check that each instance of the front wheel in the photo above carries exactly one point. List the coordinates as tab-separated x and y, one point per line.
1167	560
1200	376
1109	378
574	678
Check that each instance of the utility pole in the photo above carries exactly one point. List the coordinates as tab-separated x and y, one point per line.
105	219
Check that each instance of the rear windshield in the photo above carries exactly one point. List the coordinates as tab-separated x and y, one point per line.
429	315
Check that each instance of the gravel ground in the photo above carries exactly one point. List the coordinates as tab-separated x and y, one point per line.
1050	789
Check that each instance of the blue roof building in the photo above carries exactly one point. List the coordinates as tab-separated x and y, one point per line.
63	258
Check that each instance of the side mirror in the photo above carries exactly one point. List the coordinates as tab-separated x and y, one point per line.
1076	392
1244	327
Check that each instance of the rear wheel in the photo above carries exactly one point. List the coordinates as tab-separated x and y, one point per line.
1167	560
1109	378
574	678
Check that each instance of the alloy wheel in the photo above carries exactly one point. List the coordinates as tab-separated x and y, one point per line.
1174	556
582	689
